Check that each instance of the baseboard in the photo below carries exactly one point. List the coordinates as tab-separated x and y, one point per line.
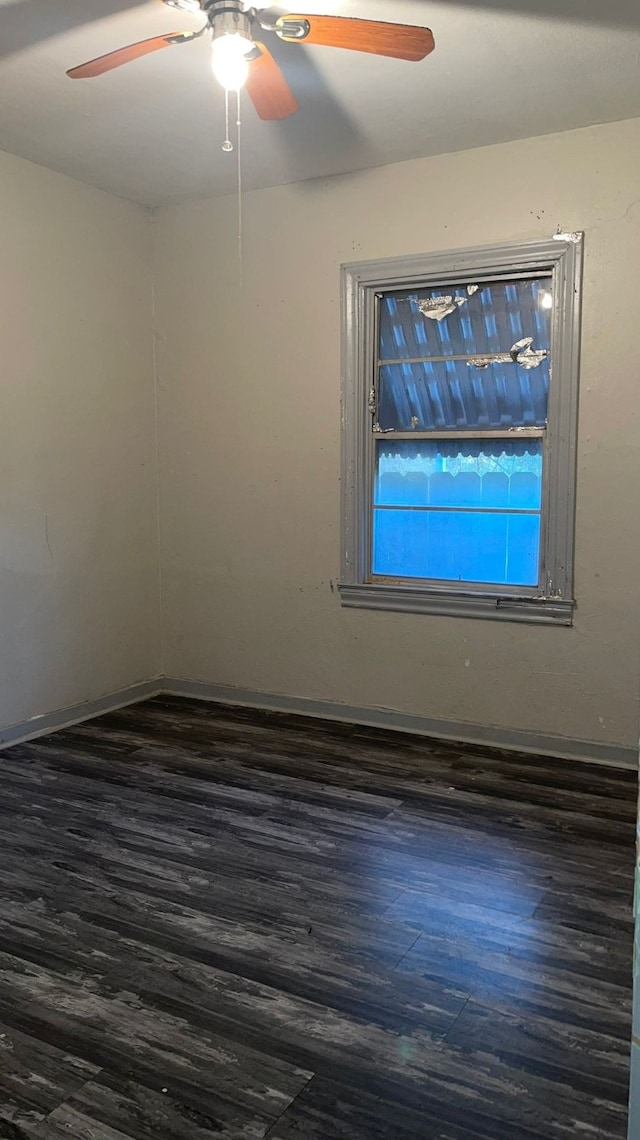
64	718
495	736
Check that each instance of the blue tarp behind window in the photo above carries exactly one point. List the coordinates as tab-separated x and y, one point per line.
446	394
458	511
490	320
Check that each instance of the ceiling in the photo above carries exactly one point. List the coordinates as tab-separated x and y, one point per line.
152	131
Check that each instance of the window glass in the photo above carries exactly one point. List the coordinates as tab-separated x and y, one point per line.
458	511
465	357
448	396
478	319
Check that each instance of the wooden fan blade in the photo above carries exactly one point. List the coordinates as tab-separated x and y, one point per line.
268	89
126	54
400	41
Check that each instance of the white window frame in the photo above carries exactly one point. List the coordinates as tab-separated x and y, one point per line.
552	602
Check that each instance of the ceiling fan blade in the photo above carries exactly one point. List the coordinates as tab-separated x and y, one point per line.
126	54
400	41
268	89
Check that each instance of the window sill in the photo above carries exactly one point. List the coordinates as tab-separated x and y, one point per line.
417	600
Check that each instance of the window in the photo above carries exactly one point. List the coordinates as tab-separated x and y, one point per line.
460	406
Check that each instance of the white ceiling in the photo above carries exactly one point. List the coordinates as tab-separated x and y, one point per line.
151	131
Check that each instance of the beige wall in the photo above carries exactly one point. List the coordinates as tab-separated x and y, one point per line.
78	551
249	385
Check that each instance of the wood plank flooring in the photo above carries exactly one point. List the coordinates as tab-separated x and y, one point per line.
218	924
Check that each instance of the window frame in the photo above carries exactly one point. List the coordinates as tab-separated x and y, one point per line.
552	602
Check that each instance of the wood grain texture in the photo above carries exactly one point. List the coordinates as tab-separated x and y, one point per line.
399	41
222	923
113	59
268	89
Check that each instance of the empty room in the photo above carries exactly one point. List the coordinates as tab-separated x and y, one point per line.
319	569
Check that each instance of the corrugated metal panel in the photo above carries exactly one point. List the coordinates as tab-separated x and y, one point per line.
448	394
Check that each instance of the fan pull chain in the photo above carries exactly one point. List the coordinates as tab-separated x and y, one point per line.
239	128
227	145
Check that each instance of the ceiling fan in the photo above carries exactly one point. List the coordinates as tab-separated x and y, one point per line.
239	59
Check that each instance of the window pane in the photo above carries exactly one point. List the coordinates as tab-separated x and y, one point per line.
491	319
443	388
461	527
457	546
445	395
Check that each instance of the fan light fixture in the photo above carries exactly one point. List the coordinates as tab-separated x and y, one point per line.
229	61
232	43
240	57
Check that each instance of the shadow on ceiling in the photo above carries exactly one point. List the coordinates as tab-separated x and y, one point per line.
30	22
307	129
614	13
25	23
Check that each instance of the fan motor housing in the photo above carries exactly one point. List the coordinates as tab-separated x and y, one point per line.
228	18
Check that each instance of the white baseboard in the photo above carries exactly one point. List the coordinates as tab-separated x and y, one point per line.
494	736
64	718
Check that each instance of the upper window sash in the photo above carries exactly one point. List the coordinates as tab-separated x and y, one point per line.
464	356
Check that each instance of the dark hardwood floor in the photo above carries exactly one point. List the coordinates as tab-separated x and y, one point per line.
218	923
